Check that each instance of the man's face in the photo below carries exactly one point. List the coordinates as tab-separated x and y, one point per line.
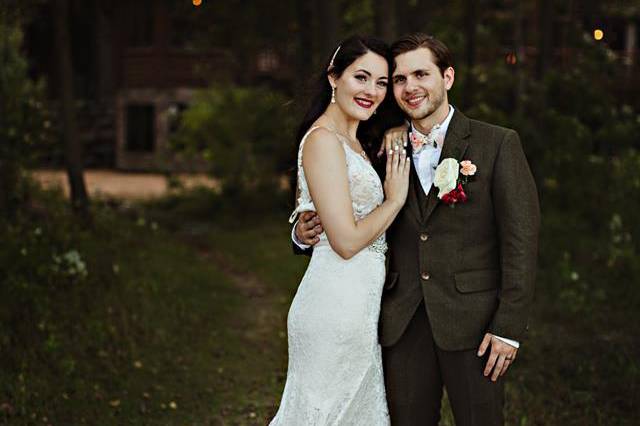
418	85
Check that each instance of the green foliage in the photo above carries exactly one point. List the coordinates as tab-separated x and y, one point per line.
115	322
244	134
582	145
24	117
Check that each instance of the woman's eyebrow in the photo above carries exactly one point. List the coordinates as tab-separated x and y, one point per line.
364	71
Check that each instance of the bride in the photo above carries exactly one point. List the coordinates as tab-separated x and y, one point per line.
335	374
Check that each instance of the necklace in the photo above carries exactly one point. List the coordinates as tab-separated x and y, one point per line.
362	153
334	129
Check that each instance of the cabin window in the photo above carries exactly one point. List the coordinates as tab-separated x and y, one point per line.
140	128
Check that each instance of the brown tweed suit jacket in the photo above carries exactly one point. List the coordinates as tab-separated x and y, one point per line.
474	265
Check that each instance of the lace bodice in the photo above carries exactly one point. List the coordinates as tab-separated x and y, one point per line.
365	188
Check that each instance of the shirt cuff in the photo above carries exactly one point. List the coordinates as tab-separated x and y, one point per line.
513	343
295	239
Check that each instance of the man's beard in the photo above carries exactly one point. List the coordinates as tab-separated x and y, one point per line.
431	106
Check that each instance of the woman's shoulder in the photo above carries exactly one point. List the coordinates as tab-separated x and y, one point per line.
322	146
320	138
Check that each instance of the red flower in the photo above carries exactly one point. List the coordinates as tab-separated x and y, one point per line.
455	196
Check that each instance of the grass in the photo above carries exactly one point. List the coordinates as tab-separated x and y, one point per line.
163	331
183	322
576	366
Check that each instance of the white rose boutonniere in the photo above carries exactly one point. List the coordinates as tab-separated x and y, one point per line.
450	179
446	176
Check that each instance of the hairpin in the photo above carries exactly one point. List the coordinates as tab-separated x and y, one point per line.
334	56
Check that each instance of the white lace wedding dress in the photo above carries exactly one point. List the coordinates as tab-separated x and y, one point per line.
335	367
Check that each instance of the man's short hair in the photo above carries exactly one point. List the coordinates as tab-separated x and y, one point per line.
409	42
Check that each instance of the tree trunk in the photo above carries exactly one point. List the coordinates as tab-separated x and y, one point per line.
304	58
103	70
545	27
520	59
72	143
470	25
630	51
421	16
385	14
9	182
328	27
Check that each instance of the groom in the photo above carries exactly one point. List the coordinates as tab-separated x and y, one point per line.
460	280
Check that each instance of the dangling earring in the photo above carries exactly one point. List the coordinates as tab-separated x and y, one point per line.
333	95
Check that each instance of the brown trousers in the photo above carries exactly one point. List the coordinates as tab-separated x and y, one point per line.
416	370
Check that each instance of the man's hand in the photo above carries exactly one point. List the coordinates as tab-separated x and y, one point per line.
308	228
395	137
501	357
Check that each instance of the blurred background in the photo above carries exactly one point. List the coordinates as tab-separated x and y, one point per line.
146	151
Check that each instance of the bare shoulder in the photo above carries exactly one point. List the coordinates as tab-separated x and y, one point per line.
322	144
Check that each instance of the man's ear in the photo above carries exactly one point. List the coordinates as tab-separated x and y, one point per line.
449	77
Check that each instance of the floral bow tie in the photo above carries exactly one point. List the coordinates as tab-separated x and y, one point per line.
419	141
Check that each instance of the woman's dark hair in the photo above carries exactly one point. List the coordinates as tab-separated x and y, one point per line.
388	114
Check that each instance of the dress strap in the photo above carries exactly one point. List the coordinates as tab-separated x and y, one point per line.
304	138
302	206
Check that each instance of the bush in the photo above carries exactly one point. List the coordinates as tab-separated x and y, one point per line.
24	118
581	142
245	136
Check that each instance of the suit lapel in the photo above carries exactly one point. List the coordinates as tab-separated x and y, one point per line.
414	186
455	145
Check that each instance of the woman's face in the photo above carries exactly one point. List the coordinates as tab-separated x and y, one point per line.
362	86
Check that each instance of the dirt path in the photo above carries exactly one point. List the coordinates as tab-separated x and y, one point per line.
256	325
123	185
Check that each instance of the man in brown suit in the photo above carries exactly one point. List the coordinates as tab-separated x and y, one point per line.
460	280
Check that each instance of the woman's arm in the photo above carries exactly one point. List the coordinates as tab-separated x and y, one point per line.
325	168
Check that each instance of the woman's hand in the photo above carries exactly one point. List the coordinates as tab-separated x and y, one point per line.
395	137
396	182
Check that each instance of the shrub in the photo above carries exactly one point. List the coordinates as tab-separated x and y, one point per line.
24	117
243	133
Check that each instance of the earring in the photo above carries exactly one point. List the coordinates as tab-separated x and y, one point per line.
333	95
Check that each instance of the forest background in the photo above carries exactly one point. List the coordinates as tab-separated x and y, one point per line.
172	309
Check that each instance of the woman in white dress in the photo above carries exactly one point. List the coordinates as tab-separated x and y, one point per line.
335	374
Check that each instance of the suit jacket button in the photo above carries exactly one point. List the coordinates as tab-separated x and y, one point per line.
425	276
424	237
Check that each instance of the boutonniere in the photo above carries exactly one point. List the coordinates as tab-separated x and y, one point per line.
450	179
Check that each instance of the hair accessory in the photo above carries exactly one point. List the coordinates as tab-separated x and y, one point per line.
334	56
